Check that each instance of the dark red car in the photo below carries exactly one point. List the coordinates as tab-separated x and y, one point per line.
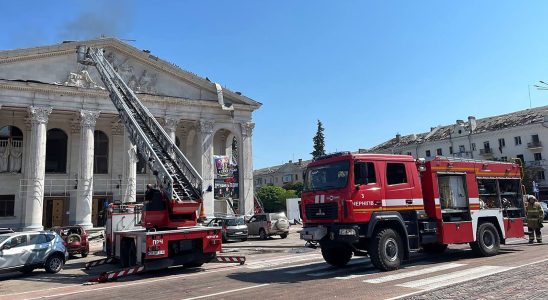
76	239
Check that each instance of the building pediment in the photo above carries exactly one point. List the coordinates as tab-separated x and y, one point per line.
143	72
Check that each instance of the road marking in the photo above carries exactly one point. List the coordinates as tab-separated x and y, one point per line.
455	277
293	266
304	270
326	267
227	292
354	265
285	260
358	275
413	273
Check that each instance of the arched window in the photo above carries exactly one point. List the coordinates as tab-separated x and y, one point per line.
56	151
11	149
100	155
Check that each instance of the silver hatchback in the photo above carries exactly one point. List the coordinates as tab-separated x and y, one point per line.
26	251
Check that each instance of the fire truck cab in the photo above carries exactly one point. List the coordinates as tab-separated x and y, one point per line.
385	206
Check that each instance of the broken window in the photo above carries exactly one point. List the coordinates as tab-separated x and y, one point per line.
502	143
56	151
538	156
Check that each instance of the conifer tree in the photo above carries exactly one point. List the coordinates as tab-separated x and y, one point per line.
319	142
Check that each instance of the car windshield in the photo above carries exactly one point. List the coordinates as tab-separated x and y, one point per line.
328	176
3	238
235	222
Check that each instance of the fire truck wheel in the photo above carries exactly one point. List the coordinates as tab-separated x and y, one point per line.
434	248
487	240
336	255
386	250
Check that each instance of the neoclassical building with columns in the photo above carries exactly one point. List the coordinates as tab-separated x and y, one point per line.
64	154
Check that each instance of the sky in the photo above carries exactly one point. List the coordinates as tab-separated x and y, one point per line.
366	69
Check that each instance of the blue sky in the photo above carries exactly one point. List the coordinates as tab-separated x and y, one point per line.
366	69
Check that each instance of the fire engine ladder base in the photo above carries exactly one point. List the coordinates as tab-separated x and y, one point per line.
98	262
229	259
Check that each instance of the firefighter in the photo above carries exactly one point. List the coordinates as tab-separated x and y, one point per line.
535	216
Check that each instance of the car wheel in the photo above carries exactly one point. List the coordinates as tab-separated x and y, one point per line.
283	235
262	234
244	239
84	254
54	263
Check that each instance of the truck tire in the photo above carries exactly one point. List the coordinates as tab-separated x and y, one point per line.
434	248
386	250
337	256
487	240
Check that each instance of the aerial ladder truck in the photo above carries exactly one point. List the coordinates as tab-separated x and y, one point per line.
164	231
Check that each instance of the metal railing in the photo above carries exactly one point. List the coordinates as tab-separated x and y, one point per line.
536	163
66	187
537	144
486	151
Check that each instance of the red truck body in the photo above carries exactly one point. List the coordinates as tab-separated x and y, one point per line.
350	200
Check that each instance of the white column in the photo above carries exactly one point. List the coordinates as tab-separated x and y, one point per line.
170	126
85	173
36	168
129	184
205	128
246	168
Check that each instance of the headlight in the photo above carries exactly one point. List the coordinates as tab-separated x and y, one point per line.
347	231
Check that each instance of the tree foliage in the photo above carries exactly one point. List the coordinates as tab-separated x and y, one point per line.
273	197
294	186
319	142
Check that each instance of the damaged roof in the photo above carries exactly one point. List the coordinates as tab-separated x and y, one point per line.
515	119
274	169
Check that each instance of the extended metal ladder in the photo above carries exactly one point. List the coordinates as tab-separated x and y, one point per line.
174	173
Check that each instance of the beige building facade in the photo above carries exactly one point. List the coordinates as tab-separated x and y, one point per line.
64	153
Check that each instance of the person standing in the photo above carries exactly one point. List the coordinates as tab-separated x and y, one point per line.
535	216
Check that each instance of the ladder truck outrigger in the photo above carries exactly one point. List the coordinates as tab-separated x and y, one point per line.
386	206
164	231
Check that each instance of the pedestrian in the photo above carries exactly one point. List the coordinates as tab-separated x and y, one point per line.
535	216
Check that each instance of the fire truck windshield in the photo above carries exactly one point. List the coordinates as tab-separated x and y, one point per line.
324	177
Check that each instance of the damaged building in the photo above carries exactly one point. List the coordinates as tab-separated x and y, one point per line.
51	107
522	134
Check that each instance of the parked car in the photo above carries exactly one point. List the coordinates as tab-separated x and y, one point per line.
5	230
76	238
545	209
268	224
232	227
26	251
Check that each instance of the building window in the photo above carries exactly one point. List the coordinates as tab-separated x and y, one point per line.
287	178
462	149
517	140
535	139
409	153
486	147
502	143
450	149
427	153
100	155
439	152
11	149
504	158
7	205
520	156
395	173
541	175
473	146
296	177
56	151
538	156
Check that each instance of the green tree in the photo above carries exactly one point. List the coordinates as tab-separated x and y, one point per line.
319	142
273	197
294	186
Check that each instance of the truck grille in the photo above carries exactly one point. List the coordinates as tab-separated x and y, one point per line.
321	211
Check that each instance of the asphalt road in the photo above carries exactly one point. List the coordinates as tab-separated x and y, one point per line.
283	269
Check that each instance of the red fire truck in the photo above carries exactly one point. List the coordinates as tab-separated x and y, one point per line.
163	232
386	206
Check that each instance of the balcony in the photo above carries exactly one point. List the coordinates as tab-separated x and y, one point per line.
534	145
536	163
487	152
